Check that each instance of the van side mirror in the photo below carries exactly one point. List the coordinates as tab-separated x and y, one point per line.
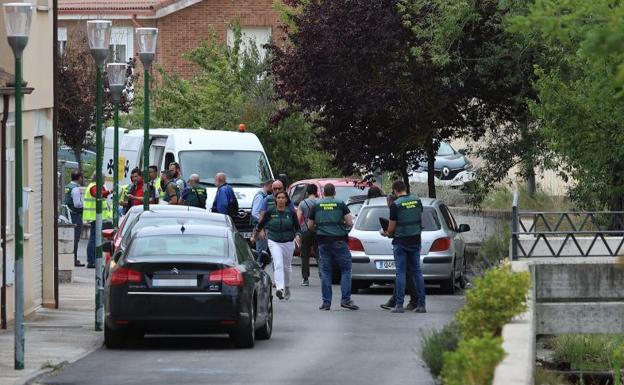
463	228
265	259
108	234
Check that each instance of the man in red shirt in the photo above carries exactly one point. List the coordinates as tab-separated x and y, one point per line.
135	193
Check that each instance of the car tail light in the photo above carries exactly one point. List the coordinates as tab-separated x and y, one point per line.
122	275
355	244
441	244
230	276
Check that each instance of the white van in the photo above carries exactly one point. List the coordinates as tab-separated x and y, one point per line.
239	155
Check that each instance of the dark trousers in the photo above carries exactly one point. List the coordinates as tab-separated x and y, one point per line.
91	245
76	219
308	243
410	287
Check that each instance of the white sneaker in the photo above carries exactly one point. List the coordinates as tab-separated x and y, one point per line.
287	293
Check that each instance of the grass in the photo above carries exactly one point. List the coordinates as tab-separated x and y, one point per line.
436	343
586	352
502	197
546	377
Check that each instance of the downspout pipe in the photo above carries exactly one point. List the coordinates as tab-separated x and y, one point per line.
3	128
55	144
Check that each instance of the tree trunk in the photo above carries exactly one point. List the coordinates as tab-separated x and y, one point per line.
431	168
78	155
405	176
530	181
528	164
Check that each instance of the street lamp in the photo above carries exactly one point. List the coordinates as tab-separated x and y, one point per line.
98	32
17	18
116	84
147	38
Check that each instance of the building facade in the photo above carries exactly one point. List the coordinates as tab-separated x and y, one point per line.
38	165
182	24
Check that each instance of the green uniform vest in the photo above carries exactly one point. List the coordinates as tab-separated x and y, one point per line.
69	201
280	225
329	218
409	218
270	202
177	190
88	212
196	197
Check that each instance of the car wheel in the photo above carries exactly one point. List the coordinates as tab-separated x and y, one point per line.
357	285
265	332
245	337
114	339
448	285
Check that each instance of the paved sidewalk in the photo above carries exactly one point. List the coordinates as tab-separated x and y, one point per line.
55	336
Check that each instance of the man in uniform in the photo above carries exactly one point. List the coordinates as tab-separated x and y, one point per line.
194	195
404	227
172	192
330	218
178	179
73	200
89	215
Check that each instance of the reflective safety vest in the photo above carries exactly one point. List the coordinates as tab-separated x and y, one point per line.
196	197
160	192
409	218
88	212
166	198
69	200
329	218
123	194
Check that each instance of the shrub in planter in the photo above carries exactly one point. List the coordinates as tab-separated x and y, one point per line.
474	361
494	300
436	343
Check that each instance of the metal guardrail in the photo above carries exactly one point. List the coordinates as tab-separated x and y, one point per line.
575	225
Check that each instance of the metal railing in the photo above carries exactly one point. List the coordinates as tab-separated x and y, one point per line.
553	227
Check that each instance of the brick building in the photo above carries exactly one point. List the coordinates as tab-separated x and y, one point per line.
182	24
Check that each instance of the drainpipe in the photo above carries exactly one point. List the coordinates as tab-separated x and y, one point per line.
136	22
55	143
3	124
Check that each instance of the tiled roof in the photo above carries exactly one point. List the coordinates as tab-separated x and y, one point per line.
142	7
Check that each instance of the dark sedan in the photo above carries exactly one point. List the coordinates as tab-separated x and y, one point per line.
188	279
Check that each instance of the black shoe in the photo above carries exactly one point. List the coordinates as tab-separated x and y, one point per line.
349	305
411	306
324	306
280	294
78	264
305	282
420	309
90	266
386	306
397	309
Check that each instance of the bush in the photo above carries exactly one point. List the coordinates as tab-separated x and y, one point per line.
495	248
474	361
436	343
496	298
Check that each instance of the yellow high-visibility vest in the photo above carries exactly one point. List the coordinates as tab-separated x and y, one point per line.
88	211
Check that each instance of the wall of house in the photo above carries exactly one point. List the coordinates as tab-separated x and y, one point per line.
39	169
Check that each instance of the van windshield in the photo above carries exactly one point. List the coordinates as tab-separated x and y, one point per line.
240	167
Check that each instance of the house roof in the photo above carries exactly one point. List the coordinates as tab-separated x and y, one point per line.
120	7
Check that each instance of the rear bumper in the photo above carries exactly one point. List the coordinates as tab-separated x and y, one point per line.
177	312
364	267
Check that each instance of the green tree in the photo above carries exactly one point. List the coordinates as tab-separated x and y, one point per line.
232	85
579	107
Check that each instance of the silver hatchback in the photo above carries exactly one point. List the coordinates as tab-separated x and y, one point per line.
442	252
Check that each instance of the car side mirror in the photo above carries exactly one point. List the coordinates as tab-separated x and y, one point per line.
107	247
265	259
108	234
463	228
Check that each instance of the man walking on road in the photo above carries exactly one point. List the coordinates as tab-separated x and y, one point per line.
73	200
330	218
308	237
225	201
266	190
405	227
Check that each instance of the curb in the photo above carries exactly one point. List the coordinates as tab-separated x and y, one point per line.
30	379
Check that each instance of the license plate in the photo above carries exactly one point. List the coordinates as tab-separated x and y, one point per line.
174	282
246	235
385	265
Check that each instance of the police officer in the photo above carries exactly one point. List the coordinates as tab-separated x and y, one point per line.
73	200
178	179
330	218
89	215
194	195
172	192
404	227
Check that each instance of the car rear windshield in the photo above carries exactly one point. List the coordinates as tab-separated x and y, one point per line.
176	245
368	219
167	221
345	192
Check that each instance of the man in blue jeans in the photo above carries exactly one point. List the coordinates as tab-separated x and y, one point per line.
330	218
405	227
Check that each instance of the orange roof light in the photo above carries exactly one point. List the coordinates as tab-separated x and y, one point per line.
242	128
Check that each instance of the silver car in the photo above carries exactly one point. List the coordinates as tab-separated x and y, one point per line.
442	253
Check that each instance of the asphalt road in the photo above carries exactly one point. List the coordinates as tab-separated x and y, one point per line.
369	346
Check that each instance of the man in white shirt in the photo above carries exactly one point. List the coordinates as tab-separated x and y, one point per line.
74	200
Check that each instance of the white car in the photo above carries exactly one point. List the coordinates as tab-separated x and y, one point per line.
442	254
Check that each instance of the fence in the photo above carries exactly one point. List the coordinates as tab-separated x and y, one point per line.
559	234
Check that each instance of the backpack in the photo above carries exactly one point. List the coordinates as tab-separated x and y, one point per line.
233	207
